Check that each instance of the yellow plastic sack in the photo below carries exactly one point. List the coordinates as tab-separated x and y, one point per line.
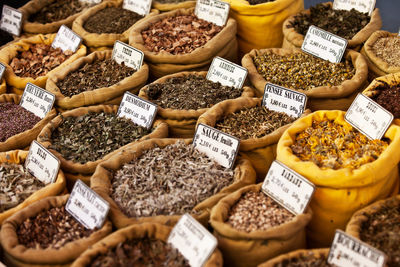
164	7
298	254
339	193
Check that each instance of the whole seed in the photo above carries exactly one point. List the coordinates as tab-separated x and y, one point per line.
305	260
388	96
388	49
167	181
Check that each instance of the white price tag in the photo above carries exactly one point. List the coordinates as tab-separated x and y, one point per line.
66	39
87	206
324	44
11	20
221	147
140	111
2	70
226	73
368	117
350	252
213	11
192	240
131	56
141	7
1	264
288	188
37	100
42	164
364	6
281	99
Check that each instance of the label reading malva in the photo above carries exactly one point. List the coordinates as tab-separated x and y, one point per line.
226	73
141	7
324	44
37	100
364	6
127	54
213	11
66	39
11	20
2	70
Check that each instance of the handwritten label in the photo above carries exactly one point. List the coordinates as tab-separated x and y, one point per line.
87	206
66	39
41	163
218	145
37	100
226	73
1	264
11	20
213	11
131	56
368	117
288	188
192	240
281	99
324	44
140	111
364	6
2	70
350	252
141	7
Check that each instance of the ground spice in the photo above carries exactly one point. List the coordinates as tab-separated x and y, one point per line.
388	49
256	2
331	145
302	71
305	260
388	96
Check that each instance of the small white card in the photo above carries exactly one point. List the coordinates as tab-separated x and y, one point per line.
288	188
281	99
37	100
221	147
140	111
41	163
141	7
131	56
348	251
66	39
87	206
2	70
368	117
324	44
192	240
11	20
226	73
213	11
364	6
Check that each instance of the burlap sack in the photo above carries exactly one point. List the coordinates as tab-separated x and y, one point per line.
163	7
249	249
10	51
298	254
98	96
153	231
323	97
101	183
3	86
291	38
19	255
54	189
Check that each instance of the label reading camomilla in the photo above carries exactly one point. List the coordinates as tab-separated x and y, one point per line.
226	73
37	100
364	6
131	56
11	20
141	7
213	11
66	39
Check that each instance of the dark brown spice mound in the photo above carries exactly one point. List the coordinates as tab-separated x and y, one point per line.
256	2
58	10
305	260
388	96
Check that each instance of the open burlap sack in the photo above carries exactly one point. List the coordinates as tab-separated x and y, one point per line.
101	183
292	38
153	231
164	7
296	256
250	249
3	86
17	254
322	97
100	95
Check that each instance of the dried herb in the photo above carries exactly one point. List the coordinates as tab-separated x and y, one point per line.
305	260
388	49
167	181
256	2
388	96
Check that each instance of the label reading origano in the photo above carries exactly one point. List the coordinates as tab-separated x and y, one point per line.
213	11
37	100
131	56
141	7
11	20
2	70
364	6
226	73
66	39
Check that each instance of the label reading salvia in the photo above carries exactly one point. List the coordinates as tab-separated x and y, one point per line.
41	163
213	11
368	117
226	73
364	6
2	70
351	252
192	240
288	188
37	100
131	56
324	44
140	111
218	145
11	20
66	39
87	206
141	7
281	99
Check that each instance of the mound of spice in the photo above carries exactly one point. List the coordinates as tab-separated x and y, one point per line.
305	260
388	96
16	185
167	181
38	60
256	2
141	252
179	35
345	23
254	122
92	136
51	228
14	119
174	92
302	71
331	145
388	49
101	73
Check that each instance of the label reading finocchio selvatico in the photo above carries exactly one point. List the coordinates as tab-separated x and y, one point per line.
131	56
37	100
226	73
66	39
364	6
11	20
2	70
141	7
213	11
